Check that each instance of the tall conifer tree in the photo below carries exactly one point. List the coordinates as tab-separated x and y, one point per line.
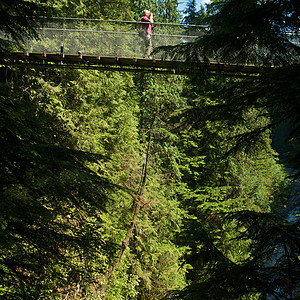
190	12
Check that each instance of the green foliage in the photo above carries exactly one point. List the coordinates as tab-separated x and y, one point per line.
256	32
222	278
19	20
119	9
153	243
210	178
73	149
163	10
190	12
274	94
230	165
51	201
93	116
220	174
247	32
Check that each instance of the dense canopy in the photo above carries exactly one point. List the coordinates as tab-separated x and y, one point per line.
124	185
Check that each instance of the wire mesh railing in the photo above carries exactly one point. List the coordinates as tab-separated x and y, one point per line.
107	37
112	37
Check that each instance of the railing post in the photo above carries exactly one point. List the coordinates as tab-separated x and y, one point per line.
62	38
27	45
62	50
137	38
80	50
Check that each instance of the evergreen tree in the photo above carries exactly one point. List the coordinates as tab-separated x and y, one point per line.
163	10
270	270
51	198
116	10
246	31
73	148
190	12
19	20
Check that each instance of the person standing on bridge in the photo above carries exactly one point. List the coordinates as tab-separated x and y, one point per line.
146	32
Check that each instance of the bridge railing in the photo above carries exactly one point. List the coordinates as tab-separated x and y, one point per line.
107	37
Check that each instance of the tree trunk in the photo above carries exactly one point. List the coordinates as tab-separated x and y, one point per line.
138	201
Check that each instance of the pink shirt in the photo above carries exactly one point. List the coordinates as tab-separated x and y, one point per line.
148	27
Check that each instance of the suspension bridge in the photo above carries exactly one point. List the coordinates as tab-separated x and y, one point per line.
114	45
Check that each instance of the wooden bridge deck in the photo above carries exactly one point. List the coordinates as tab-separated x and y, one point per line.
128	64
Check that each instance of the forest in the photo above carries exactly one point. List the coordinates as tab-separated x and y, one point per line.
122	185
